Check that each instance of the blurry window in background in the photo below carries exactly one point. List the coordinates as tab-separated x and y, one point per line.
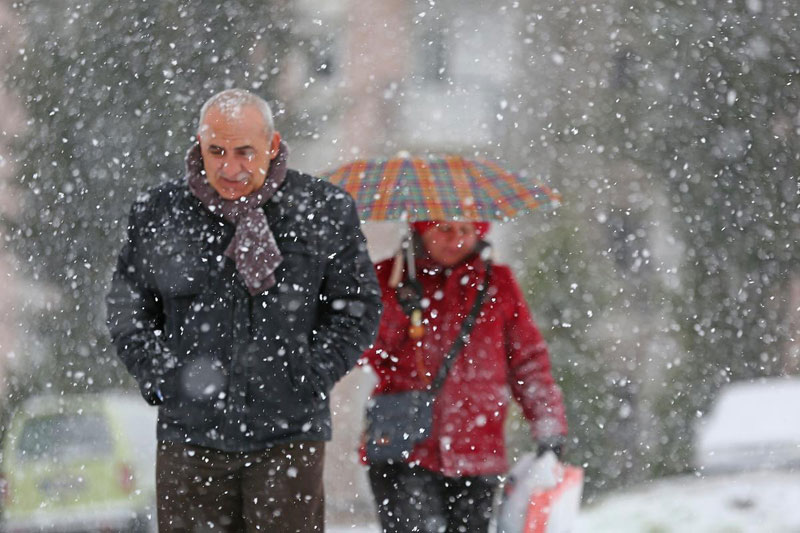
434	54
321	55
629	241
626	64
64	437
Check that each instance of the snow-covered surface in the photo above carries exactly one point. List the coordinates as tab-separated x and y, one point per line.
752	425
753	502
757	502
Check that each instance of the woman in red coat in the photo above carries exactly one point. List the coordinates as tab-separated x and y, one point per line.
448	481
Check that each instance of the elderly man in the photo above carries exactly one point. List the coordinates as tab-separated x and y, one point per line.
242	294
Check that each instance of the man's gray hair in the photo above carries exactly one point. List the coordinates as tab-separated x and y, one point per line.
231	102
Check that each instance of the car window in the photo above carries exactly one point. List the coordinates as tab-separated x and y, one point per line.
64	437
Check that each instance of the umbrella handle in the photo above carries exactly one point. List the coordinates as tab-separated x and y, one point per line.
415	328
397	267
412	267
397	271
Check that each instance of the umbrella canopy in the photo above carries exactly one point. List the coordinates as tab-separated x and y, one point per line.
439	188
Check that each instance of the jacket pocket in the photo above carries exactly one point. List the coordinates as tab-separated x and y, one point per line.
182	276
300	265
280	395
195	389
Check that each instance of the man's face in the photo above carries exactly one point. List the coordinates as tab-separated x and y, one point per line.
237	150
449	243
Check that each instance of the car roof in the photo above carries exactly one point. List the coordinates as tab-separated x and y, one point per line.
46	404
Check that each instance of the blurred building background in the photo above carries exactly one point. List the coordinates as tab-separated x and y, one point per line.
409	77
12	291
670	130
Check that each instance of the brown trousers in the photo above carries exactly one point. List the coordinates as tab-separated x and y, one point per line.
277	490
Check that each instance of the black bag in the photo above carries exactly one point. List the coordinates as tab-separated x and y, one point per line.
396	422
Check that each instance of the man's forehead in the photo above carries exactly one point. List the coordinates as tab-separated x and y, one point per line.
230	121
228	140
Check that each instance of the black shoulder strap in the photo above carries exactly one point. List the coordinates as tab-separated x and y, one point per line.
466	328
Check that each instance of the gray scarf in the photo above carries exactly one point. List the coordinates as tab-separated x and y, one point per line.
253	247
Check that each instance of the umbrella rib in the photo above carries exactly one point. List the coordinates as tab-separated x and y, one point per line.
494	193
461	184
360	187
529	198
389	194
427	186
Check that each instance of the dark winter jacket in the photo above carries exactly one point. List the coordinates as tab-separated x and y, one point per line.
229	370
505	356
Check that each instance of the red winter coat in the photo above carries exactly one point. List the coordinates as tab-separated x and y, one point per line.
505	353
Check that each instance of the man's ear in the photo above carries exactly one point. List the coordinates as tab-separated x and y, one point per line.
275	145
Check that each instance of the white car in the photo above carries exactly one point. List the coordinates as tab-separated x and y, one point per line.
752	425
745	502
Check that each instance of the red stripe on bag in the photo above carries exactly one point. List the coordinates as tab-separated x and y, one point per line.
541	503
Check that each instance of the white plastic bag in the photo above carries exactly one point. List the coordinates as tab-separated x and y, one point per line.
542	495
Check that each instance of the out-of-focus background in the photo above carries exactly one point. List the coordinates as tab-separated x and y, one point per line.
670	129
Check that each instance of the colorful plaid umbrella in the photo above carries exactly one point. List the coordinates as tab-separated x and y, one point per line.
439	188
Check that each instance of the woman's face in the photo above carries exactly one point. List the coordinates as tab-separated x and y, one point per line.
449	243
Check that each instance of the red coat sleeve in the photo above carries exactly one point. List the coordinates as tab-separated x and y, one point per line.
530	378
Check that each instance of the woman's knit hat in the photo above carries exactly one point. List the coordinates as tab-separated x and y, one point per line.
482	228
